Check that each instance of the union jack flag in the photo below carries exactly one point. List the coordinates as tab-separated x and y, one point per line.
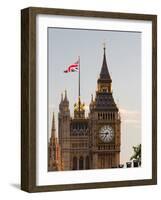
73	67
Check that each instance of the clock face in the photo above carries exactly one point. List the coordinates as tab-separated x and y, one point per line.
106	133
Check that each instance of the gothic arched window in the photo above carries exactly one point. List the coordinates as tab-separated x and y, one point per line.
87	162
75	163
81	163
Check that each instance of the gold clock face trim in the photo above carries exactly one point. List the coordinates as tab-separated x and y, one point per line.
106	133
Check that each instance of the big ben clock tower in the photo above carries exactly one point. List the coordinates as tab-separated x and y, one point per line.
104	122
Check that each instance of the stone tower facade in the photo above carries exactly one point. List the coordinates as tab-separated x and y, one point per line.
104	123
64	131
91	142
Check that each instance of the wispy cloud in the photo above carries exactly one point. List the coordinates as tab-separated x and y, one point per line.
130	116
51	107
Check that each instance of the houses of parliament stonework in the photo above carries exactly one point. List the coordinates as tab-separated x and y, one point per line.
91	142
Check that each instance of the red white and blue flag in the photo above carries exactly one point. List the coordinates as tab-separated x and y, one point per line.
73	67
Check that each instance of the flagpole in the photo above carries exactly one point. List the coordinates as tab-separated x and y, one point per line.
79	85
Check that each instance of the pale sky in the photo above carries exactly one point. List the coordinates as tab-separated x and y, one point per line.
123	54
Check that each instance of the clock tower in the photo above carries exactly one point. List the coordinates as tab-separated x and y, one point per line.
105	123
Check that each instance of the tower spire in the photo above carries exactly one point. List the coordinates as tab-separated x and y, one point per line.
65	98
53	131
104	46
104	74
104	81
92	98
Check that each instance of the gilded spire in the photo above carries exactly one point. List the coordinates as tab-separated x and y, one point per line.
79	106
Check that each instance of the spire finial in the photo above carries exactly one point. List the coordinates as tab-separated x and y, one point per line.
104	47
65	98
91	97
53	134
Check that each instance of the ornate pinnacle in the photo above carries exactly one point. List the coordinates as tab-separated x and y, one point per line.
65	98
91	97
53	126
104	46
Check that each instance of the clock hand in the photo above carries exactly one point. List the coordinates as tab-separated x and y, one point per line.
107	132
104	137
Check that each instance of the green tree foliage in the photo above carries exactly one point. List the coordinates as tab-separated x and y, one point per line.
137	153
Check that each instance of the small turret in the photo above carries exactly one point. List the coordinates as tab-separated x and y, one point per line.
64	129
66	101
91	106
64	104
61	102
91	98
65	98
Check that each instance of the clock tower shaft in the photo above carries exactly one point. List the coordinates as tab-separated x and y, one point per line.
105	153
